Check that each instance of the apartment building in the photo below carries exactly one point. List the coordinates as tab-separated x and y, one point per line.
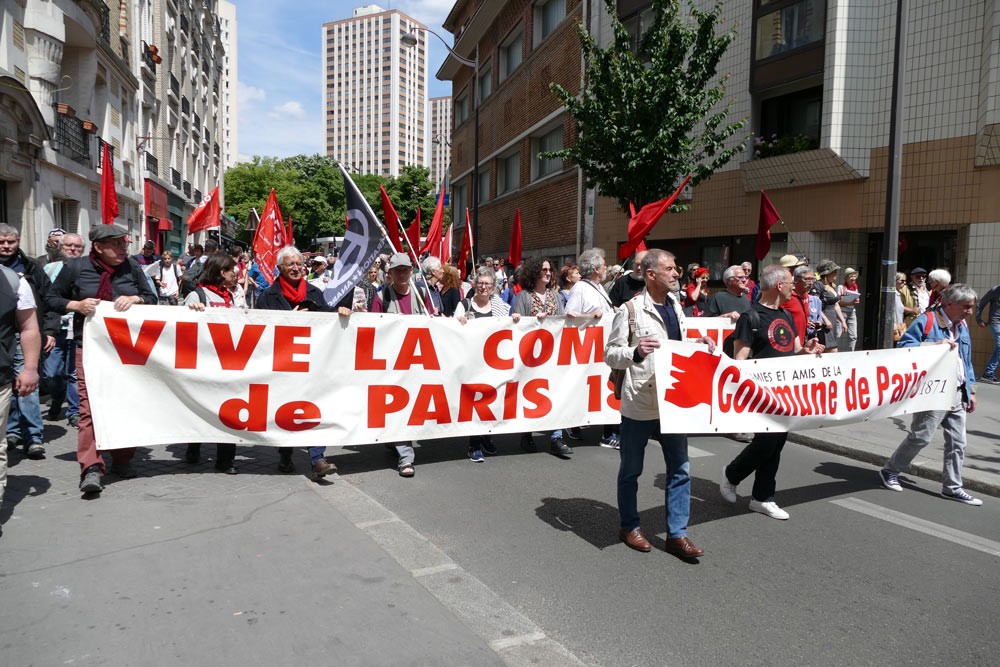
375	91
228	85
439	139
142	76
520	46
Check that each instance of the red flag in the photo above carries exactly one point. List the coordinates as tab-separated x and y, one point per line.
514	254
206	214
643	222
270	237
413	234
768	216
289	239
463	254
392	223
446	245
433	242
109	198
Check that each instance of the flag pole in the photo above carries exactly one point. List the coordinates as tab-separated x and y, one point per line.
385	235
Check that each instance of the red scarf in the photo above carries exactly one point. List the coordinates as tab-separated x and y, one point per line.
105	271
226	295
294	294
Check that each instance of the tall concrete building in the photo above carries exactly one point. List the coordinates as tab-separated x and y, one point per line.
375	91
439	140
228	87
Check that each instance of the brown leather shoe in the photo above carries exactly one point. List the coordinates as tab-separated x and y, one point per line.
682	547
322	468
635	539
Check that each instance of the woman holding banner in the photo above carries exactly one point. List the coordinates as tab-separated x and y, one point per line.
537	298
217	282
291	291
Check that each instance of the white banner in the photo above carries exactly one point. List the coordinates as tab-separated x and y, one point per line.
159	375
711	393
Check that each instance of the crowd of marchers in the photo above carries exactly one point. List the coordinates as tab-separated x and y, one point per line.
791	308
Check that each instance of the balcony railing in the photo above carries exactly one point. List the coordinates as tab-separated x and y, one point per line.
186	187
175	86
152	164
175	178
70	139
105	24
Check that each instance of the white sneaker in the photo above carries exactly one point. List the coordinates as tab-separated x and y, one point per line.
727	489
768	507
962	497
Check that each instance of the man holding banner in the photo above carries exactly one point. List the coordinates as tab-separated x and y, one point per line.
943	324
637	330
765	331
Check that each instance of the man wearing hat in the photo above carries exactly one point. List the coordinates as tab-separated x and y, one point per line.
106	274
398	297
318	274
791	262
148	255
918	290
53	249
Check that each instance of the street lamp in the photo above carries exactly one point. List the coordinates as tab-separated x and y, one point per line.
410	40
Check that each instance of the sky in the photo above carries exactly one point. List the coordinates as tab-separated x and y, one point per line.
280	68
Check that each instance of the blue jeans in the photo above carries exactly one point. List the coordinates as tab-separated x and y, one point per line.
59	370
316	454
25	419
635	435
991	365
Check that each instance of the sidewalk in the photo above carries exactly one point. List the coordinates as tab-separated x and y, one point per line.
873	442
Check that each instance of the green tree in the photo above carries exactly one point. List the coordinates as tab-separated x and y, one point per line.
647	118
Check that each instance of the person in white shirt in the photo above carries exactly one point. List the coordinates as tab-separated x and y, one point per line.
166	275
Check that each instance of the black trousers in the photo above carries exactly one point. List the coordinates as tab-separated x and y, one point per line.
762	456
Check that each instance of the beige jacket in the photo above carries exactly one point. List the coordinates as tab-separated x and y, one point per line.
639	395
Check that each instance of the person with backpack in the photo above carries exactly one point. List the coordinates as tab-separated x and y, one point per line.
944	324
638	328
106	274
765	331
166	276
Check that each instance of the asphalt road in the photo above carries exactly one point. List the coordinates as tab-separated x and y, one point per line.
858	575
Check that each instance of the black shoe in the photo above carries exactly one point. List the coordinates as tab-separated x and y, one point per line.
91	480
560	449
528	443
193	453
13	442
574	433
488	447
35	450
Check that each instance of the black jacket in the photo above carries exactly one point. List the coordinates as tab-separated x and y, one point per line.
79	279
273	299
48	321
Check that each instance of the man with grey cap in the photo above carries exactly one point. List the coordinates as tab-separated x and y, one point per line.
398	297
106	274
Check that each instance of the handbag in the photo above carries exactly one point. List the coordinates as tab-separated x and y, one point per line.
617	375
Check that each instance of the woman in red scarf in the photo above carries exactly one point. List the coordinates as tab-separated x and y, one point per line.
291	291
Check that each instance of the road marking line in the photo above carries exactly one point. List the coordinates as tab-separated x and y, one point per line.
921	525
694	452
364	525
510	642
434	569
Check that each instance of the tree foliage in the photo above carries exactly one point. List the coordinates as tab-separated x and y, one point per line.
647	118
310	189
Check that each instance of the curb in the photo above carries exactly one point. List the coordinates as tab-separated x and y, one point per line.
972	482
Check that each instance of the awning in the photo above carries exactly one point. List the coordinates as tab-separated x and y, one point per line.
156	205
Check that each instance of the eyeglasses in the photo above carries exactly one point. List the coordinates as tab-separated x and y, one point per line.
484	284
294	265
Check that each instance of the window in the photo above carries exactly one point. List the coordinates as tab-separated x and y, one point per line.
485	81
548	15
510	55
509	173
638	24
790	123
789	27
484	185
459	200
550	141
461	109
66	214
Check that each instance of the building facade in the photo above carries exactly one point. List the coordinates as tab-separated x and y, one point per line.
439	139
81	74
375	91
228	85
520	47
